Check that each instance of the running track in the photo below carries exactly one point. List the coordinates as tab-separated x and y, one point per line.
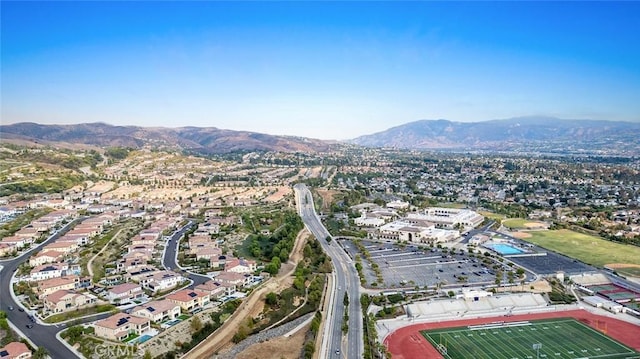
408	343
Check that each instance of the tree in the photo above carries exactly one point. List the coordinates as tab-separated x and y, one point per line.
40	353
271	298
147	355
75	333
196	324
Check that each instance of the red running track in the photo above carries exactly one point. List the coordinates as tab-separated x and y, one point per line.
408	343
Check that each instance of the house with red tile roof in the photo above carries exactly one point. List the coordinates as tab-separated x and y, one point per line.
189	299
15	350
118	326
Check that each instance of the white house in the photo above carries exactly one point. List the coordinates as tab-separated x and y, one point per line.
158	310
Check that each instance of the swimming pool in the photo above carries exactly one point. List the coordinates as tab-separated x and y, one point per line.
140	339
505	249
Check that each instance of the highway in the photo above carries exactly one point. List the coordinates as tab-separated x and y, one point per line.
334	345
170	257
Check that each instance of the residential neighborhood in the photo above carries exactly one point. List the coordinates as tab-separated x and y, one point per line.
151	243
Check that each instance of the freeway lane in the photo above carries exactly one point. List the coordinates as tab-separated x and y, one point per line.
346	281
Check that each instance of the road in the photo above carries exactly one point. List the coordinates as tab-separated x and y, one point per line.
346	281
45	334
41	334
170	258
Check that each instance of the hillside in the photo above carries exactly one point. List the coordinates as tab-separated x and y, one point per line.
523	134
204	140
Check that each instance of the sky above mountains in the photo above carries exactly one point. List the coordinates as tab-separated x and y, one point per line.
329	70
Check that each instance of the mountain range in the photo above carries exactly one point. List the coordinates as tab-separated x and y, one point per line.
196	139
522	134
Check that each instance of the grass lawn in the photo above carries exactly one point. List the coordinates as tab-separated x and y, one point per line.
516	223
60	317
588	249
492	215
629	271
9	228
564	338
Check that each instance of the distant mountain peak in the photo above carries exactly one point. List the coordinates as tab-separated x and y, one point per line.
527	133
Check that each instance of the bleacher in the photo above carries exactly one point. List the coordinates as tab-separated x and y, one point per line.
447	308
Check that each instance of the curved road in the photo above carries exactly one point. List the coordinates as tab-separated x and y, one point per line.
170	257
44	335
346	281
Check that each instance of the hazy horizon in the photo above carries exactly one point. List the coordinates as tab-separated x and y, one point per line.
326	70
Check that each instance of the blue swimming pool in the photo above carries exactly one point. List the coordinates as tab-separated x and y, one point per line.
505	249
140	339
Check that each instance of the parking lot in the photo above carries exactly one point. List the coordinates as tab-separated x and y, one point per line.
410	266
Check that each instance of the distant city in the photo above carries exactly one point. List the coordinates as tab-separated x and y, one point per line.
157	248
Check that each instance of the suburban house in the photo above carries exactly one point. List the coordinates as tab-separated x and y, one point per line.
118	326
160	281
52	270
45	257
133	262
63	300
189	300
208	253
158	310
15	350
15	241
240	265
65	247
52	285
237	279
124	293
216	289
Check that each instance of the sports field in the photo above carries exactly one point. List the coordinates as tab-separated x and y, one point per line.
517	223
588	249
562	338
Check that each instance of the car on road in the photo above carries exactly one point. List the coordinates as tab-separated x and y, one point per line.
10	308
21	309
338	351
29	325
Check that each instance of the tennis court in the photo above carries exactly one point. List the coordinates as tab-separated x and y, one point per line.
563	338
603	287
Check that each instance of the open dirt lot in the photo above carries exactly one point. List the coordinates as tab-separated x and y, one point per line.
327	197
521	235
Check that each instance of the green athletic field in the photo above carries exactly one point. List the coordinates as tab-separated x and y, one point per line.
563	338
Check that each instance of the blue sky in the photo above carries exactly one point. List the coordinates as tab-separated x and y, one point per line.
329	70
